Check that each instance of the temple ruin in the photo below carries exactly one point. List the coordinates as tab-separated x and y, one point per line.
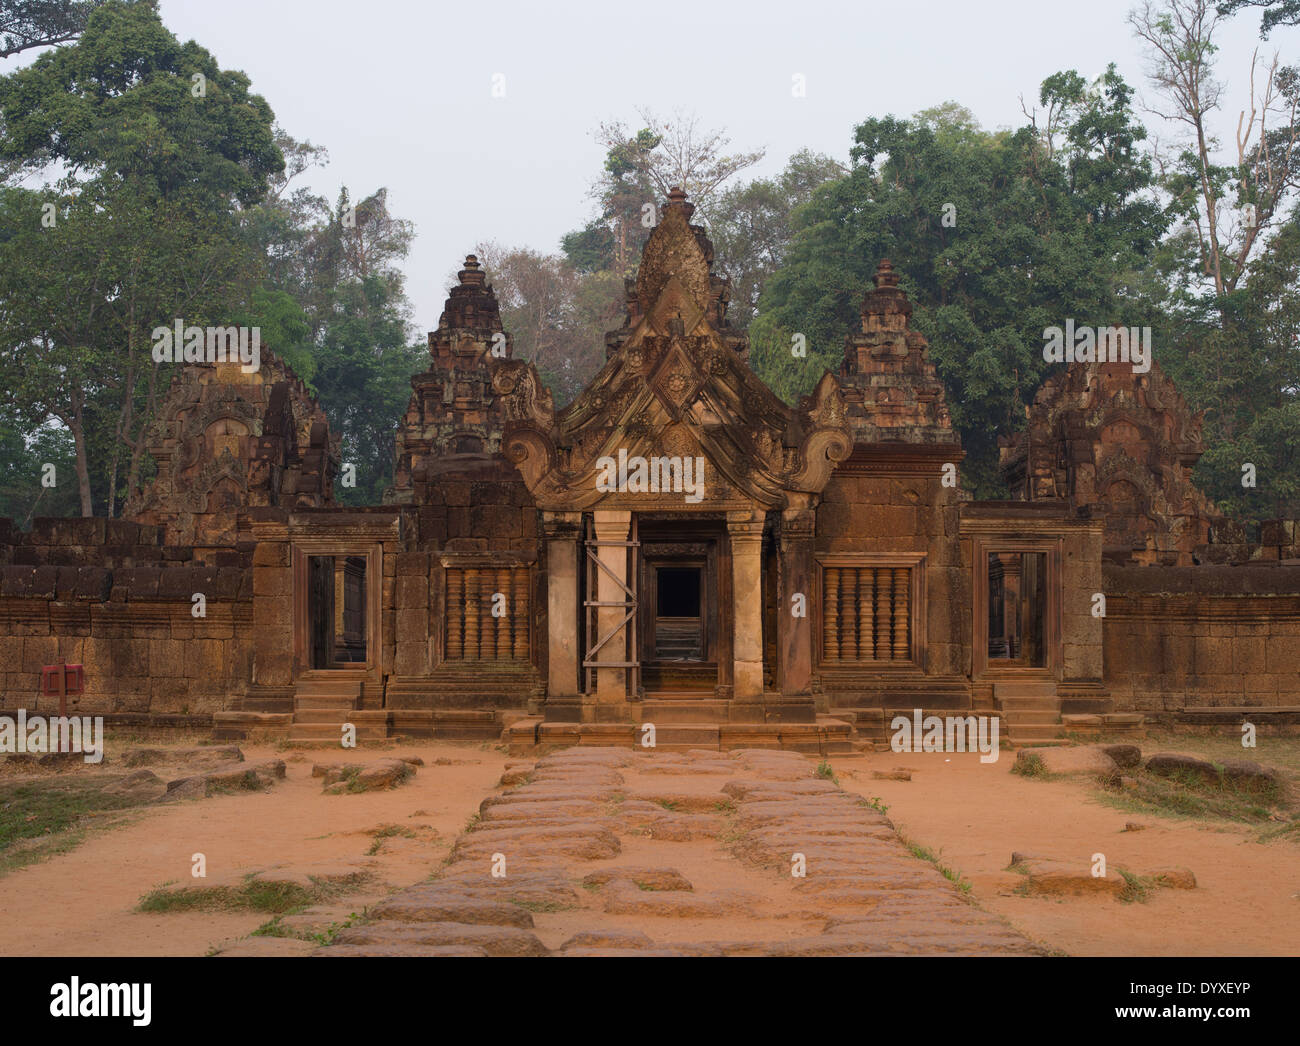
758	575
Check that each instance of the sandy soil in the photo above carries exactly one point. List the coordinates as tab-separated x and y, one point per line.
81	903
1247	900
971	814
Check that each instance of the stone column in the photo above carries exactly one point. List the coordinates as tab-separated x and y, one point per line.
613	526
746	532
794	633
562	530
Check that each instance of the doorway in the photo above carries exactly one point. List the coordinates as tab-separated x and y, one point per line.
679	620
679	628
1017	610
336	611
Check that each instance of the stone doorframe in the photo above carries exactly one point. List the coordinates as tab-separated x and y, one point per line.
300	550
1053	642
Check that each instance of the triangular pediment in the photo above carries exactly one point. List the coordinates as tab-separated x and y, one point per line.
677	383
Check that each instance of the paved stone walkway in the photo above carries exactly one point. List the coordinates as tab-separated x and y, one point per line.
603	851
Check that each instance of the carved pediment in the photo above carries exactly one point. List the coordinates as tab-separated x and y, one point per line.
677	384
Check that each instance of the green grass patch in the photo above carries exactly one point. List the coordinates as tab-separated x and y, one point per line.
726	807
1188	795
1031	766
1137	888
252	895
41	818
952	875
667	804
389	831
875	803
826	773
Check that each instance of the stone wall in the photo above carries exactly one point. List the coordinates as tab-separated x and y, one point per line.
871	506
1205	636
134	631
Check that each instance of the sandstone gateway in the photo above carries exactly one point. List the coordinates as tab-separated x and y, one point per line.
816	573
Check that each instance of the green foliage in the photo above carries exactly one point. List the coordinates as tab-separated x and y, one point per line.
139	229
39	23
1276	12
1038	231
22	461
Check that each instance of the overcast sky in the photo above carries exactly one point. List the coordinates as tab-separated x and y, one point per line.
399	91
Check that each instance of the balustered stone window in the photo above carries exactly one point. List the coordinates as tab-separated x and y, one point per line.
869	610
474	631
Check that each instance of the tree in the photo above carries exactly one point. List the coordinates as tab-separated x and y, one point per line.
1276	12
996	237
640	169
1228	205
752	224
158	148
556	315
360	334
26	24
1233	259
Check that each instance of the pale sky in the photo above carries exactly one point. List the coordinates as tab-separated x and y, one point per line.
400	91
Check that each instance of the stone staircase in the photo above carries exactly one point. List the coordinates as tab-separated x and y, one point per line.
1031	712
322	706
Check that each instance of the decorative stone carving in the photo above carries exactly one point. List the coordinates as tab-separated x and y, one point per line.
224	441
677	382
1123	444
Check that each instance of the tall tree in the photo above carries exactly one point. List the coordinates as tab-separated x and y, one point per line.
1276	12
556	315
158	149
25	24
751	226
996	236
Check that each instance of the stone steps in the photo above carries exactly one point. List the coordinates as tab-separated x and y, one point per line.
1031	712
683	709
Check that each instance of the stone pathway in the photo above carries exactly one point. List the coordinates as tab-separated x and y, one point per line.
603	851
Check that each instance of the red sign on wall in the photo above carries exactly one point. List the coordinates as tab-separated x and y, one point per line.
72	677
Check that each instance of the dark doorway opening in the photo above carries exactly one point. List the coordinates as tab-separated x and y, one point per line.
336	608
1017	584
679	631
679	592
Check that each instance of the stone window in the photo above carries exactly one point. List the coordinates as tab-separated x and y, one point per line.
487	613
868	612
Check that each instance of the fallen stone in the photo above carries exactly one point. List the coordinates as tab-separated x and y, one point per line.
248	777
891	775
1125	756
1167	764
374	776
143	786
1175	878
1046	876
1251	777
1086	759
199	756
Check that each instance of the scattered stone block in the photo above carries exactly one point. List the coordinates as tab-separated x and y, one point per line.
199	756
1087	760
1125	756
